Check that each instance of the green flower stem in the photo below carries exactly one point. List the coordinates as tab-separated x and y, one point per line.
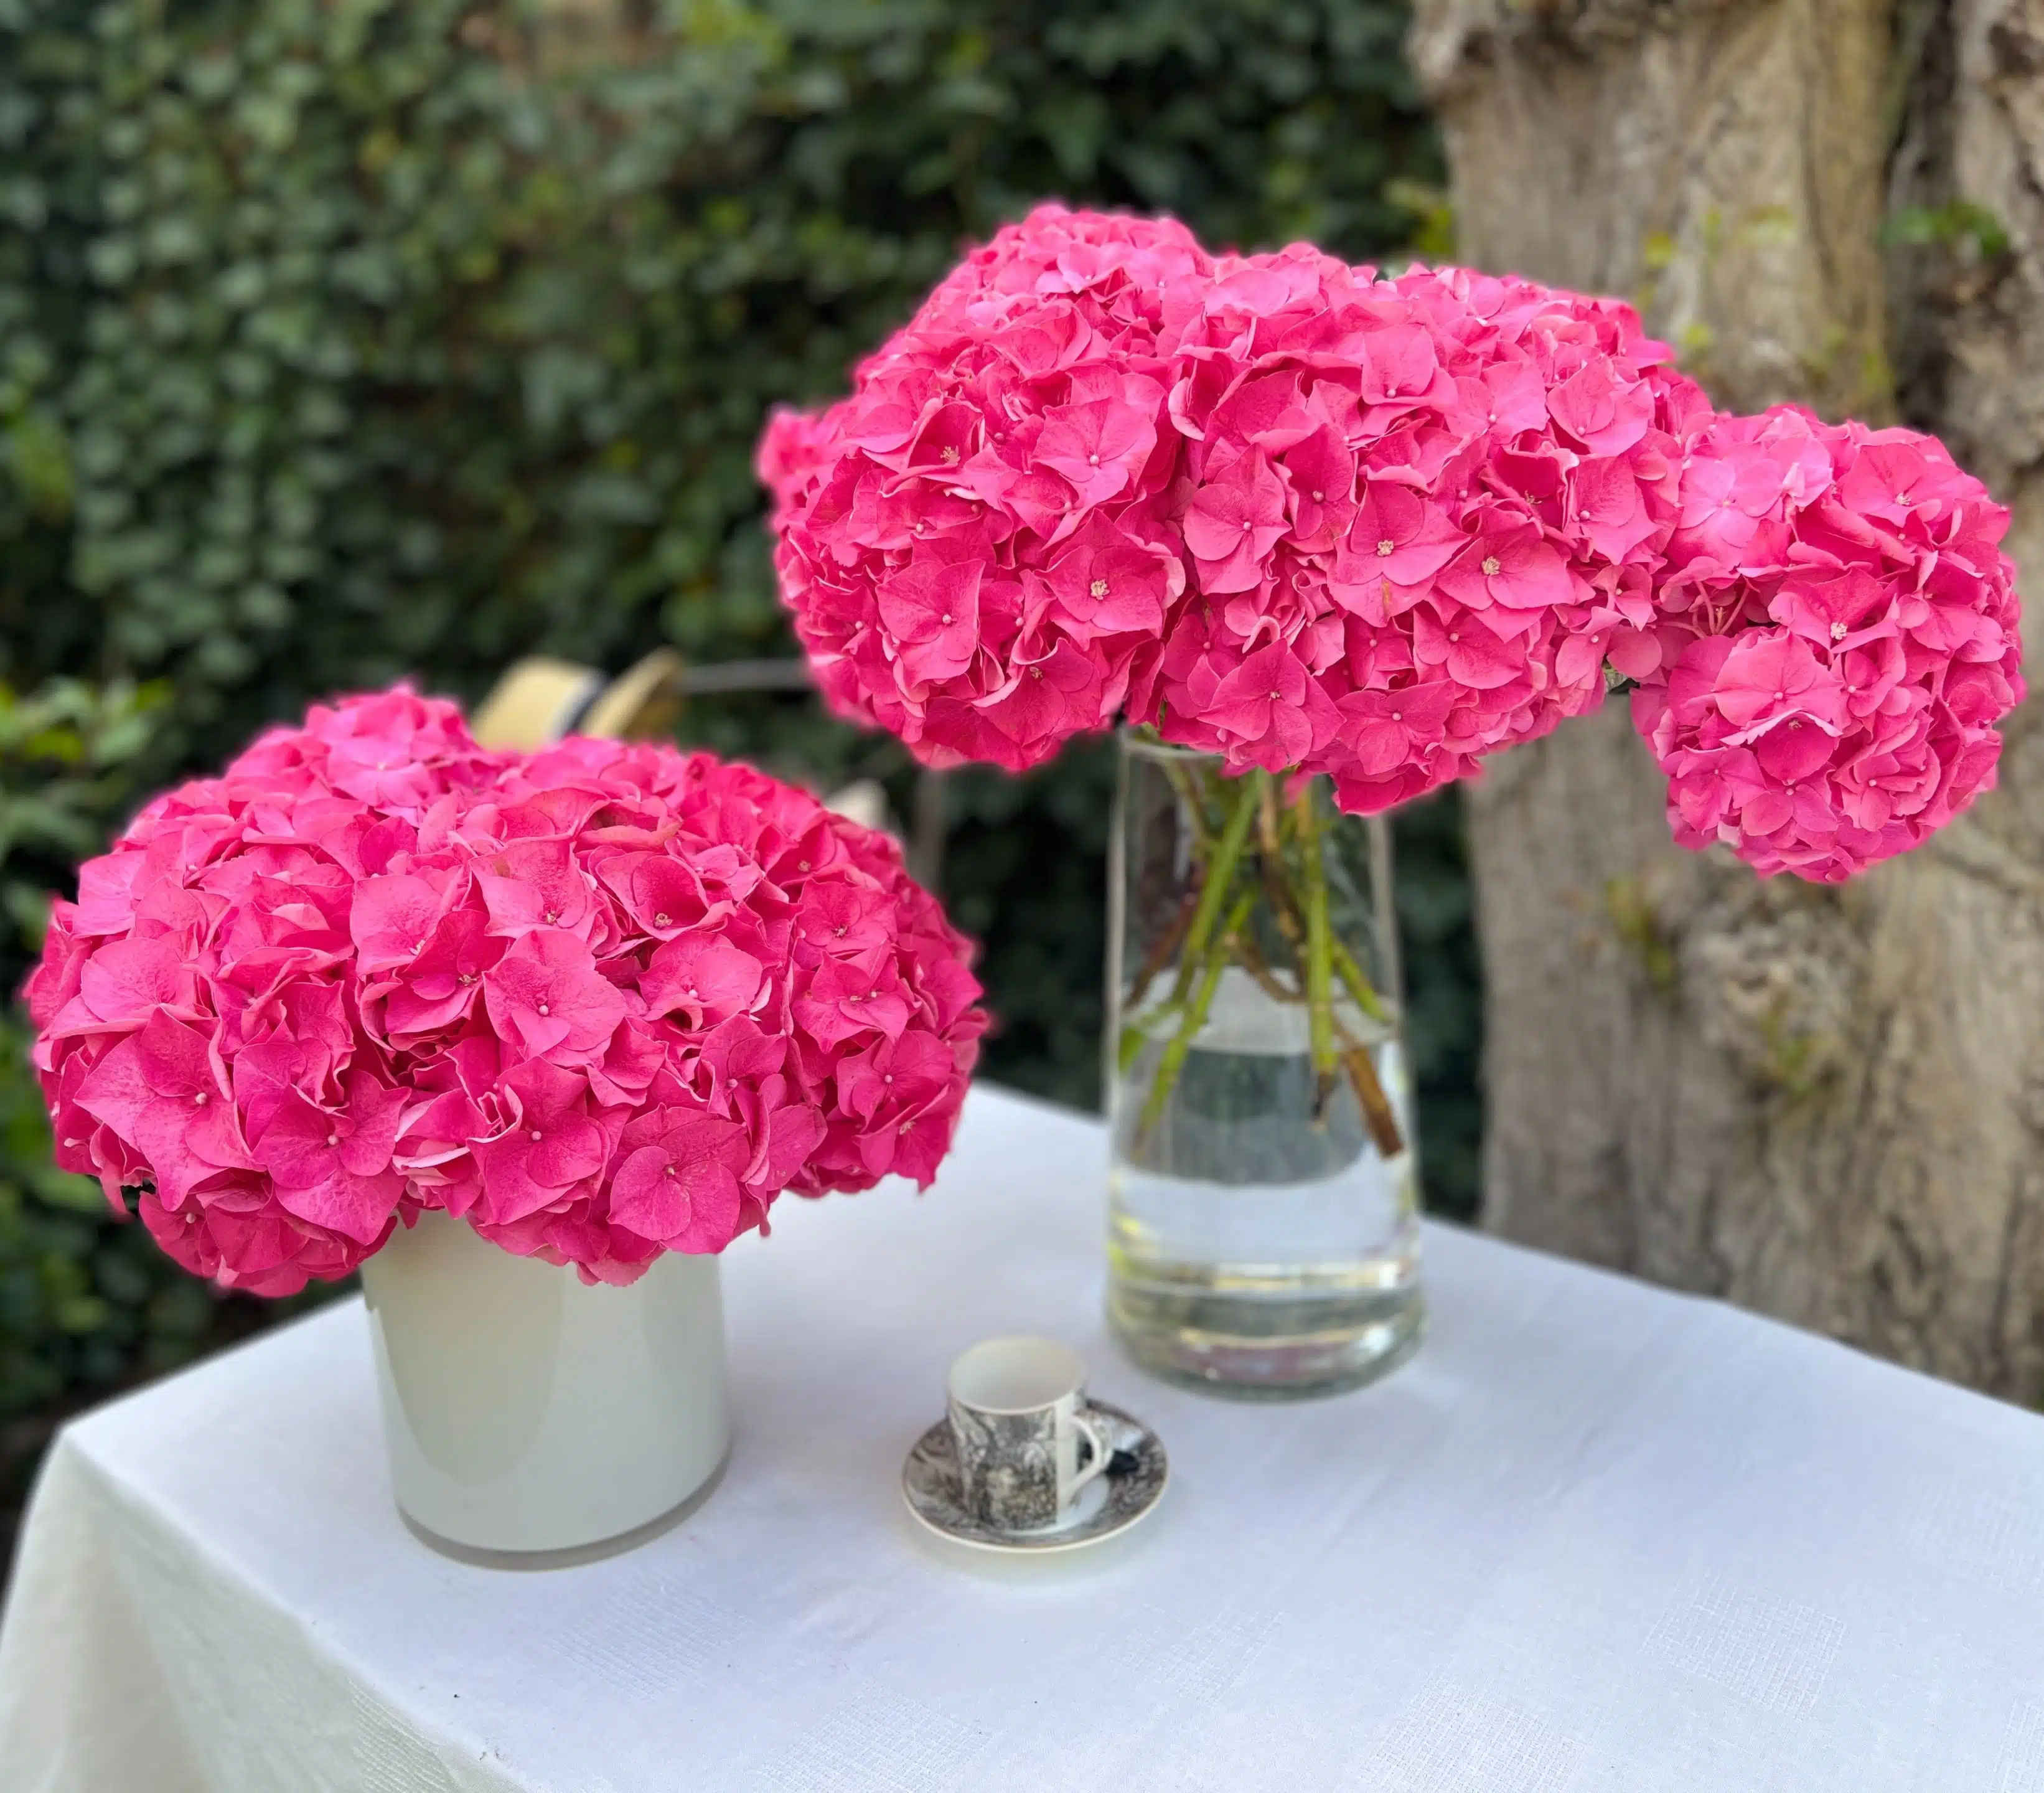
1285	908
1190	795
1294	891
1129	1047
1378	1115
1269	827
1319	941
1220	873
1325	956
1261	969
1366	998
1215	961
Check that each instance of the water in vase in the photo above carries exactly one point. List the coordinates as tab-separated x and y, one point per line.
1261	1243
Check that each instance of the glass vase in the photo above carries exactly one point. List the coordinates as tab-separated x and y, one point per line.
1263	1236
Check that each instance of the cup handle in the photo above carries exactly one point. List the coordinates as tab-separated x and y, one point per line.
1103	1453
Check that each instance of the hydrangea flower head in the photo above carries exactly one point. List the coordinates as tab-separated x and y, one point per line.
1419	515
198	1037
602	1003
691	987
1839	639
975	543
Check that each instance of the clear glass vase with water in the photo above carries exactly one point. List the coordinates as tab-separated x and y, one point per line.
1264	1239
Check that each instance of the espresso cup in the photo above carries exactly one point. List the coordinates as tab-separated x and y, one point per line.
1025	1440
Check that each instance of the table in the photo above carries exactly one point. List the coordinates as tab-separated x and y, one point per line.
1596	1538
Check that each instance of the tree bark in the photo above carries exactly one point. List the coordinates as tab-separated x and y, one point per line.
1825	1104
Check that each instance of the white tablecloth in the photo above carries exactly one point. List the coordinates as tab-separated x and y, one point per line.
1595	1536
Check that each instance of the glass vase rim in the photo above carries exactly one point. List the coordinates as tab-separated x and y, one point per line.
1136	742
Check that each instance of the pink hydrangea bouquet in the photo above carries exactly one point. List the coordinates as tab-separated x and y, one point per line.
1316	520
1313	520
603	1002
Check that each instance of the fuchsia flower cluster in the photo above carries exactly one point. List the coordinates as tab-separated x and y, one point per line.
1418	514
977	543
1839	638
1311	519
603	1002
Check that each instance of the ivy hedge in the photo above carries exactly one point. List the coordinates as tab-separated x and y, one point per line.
340	339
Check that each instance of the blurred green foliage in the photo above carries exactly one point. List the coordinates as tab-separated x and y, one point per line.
87	1301
65	750
343	338
80	1295
340	339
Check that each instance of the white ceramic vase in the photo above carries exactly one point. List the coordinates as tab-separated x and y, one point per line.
533	1419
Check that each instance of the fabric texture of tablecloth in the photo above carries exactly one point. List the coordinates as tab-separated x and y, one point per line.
1596	1538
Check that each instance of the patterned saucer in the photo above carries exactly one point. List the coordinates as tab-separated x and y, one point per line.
1133	1485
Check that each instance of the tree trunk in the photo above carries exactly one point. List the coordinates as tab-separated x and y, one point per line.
1825	1104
